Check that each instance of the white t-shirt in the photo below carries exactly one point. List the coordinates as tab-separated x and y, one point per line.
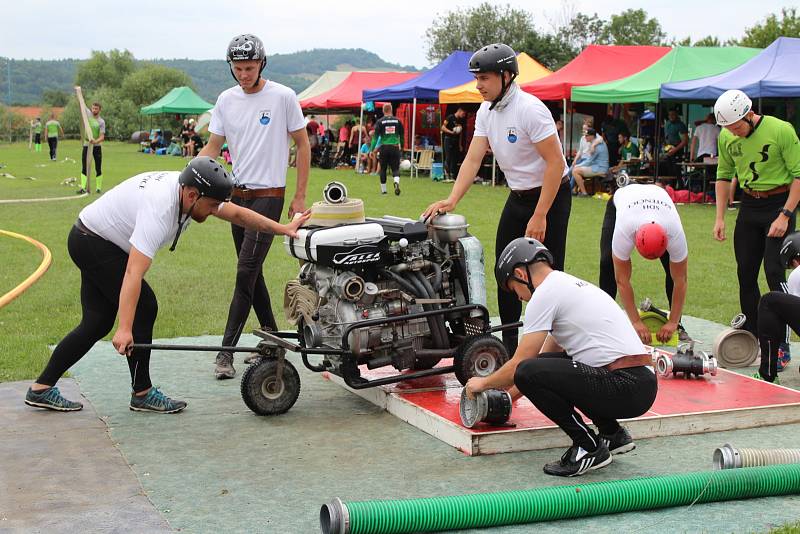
511	134
794	282
637	204
583	319
256	128
142	212
707	135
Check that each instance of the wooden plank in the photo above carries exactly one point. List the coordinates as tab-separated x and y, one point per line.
86	133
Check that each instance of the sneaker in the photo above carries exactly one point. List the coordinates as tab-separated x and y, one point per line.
98	191
224	367
155	401
784	356
397	188
577	461
620	442
51	399
758	376
383	192
80	191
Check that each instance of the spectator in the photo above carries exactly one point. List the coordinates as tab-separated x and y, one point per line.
452	128
186	135
585	149
627	150
595	165
312	127
354	133
53	127
155	141
611	128
195	144
704	141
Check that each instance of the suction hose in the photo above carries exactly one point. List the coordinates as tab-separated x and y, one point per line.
437	514
728	457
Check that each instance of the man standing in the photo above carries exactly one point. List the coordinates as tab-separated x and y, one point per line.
764	154
611	128
704	141
113	243
37	134
676	136
644	217
577	352
257	118
53	128
521	132
390	134
452	128
98	127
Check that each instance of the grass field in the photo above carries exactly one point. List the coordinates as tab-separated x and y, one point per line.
194	284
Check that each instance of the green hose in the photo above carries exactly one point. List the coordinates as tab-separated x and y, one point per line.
564	502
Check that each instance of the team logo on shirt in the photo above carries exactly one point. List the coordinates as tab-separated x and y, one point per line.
265	116
511	134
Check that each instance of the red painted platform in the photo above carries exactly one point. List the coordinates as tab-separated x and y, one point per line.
726	401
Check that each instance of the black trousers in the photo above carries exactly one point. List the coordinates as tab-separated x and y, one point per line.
102	265
52	142
776	310
608	281
556	385
452	153
97	154
251	289
37	138
389	156
513	221
752	247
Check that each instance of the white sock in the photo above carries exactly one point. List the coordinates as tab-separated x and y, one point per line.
383	188
397	179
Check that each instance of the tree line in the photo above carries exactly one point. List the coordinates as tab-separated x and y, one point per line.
570	31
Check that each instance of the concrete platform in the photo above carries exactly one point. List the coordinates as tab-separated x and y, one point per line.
727	401
62	472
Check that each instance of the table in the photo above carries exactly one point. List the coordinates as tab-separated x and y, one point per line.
705	165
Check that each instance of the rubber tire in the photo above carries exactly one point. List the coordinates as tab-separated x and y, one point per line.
255	376
465	359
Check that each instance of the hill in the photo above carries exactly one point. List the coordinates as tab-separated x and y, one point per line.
31	77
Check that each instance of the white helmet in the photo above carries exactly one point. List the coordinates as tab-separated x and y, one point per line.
731	106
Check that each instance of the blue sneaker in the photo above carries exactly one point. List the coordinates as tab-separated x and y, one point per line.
51	399
784	356
155	401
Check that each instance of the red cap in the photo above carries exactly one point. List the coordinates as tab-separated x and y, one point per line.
651	240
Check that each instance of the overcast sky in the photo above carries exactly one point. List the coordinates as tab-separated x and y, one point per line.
200	29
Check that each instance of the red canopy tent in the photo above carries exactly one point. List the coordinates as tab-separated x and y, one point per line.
596	64
347	95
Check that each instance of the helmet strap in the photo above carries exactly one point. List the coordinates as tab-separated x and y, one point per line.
182	221
503	88
260	70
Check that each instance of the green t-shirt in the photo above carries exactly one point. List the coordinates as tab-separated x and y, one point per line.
37	127
768	158
98	126
52	128
673	132
631	148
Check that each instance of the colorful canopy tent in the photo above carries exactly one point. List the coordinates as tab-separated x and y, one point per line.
681	63
450	72
596	64
179	100
327	81
346	96
529	70
771	74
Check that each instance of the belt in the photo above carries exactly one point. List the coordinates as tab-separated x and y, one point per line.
536	190
82	229
247	194
633	360
768	193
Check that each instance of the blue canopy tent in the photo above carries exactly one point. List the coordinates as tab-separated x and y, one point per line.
452	71
771	74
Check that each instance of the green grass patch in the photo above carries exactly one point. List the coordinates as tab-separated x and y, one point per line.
194	284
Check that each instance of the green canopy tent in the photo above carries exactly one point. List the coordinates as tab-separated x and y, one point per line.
180	100
681	63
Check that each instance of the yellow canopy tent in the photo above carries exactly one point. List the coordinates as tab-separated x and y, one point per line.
529	70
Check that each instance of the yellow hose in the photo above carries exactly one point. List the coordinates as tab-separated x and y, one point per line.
47	259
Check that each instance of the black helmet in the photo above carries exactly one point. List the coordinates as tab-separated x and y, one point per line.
209	177
790	249
521	251
246	47
497	57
